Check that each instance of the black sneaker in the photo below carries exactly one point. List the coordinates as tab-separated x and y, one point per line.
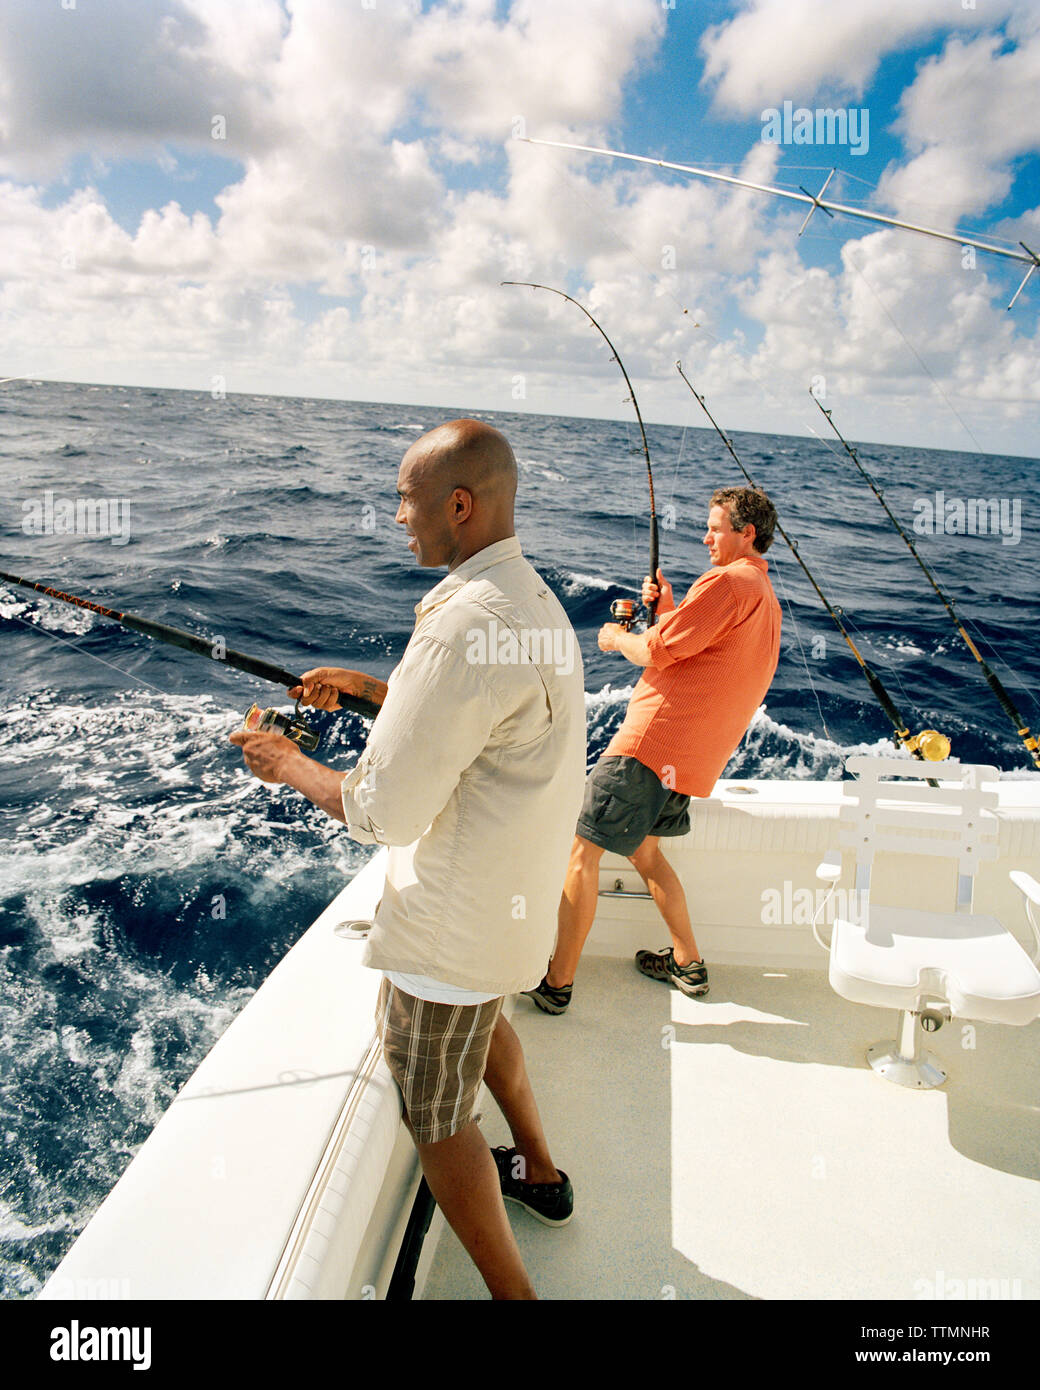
691	979
551	1202
550	999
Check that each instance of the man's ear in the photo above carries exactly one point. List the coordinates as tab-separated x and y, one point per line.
461	504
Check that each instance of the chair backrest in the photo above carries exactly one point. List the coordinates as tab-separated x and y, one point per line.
892	807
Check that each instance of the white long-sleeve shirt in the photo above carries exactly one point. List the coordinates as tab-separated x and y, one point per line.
474	774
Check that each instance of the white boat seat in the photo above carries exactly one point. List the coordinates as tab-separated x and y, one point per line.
974	963
927	964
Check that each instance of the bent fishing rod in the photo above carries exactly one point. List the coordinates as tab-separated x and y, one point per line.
993	681
270	720
625	609
929	745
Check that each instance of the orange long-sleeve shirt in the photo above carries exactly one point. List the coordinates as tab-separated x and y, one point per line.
712	661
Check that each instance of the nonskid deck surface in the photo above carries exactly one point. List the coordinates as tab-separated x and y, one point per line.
739	1147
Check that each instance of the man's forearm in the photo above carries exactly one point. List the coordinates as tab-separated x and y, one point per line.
634	646
317	783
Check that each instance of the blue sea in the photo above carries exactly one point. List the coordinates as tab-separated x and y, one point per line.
269	522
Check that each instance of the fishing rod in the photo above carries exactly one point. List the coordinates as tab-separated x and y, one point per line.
623	610
1006	703
815	201
294	727
929	745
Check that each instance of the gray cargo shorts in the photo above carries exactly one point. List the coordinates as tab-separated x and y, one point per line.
625	802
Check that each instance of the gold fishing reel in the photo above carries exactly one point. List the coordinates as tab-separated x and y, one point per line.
933	746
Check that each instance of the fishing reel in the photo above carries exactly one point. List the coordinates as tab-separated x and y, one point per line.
933	746
273	721
623	611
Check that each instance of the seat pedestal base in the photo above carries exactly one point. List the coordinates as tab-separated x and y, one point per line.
921	1072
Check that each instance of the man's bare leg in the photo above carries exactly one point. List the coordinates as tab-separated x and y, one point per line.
667	892
464	1181
507	1080
577	911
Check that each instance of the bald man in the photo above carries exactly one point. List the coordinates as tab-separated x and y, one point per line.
473	775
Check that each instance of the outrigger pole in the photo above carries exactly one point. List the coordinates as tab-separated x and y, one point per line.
201	646
651	607
1007	705
815	201
929	745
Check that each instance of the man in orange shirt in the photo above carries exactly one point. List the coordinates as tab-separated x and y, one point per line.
707	667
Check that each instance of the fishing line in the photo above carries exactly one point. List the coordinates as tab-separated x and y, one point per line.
777	569
979	638
1029	258
256	720
74	646
916	355
893	669
1003	699
815	201
929	744
606	224
1005	242
830	231
651	607
870	644
678	462
1015	679
629	454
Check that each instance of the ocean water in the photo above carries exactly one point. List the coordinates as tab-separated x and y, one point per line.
148	884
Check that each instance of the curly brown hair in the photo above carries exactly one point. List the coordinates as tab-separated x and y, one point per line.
748	506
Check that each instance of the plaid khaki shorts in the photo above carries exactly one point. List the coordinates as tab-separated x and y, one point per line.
437	1054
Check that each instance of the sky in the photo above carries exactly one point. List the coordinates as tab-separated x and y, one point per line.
322	198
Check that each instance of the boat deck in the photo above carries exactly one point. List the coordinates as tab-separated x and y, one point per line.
739	1147
734	1147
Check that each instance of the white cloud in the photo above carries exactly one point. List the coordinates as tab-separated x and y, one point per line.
330	195
121	79
777	50
353	125
915	345
557	65
969	113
